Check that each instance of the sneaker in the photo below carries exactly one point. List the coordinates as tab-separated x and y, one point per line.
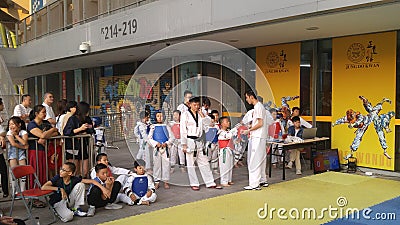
289	165
251	188
113	206
91	211
264	184
78	212
172	170
298	172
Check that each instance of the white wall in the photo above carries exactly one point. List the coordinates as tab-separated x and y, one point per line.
168	19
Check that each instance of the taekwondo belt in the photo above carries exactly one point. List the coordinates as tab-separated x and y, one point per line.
200	139
166	150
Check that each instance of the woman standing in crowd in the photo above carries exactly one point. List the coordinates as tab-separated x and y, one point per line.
79	124
38	128
61	112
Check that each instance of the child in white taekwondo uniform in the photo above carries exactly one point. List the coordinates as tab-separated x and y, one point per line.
140	131
176	149
226	149
161	138
193	123
140	186
212	143
112	170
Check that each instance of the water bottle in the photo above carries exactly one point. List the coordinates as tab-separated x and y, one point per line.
37	221
280	135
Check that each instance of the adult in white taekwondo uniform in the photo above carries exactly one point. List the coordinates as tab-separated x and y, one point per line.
192	127
184	106
257	154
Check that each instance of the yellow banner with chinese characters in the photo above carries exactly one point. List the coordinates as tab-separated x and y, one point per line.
280	66
365	65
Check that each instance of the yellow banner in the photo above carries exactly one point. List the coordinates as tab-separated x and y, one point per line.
365	65
280	65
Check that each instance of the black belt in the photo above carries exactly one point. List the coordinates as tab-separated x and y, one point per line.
197	139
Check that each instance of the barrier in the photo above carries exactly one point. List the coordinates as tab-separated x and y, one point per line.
53	141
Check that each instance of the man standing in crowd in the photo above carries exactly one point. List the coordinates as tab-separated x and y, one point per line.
183	107
192	127
48	101
22	110
257	154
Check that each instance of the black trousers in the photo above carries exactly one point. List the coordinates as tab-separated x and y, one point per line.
94	198
4	174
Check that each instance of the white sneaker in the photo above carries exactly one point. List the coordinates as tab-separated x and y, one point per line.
264	184
113	206
91	211
251	188
298	172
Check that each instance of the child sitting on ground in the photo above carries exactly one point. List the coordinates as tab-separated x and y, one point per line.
96	197
140	186
112	170
70	192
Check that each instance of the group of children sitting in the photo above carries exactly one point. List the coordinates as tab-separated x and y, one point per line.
131	187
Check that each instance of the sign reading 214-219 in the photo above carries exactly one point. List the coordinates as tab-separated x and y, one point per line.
117	30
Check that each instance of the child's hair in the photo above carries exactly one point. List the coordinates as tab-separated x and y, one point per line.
99	156
139	162
272	110
206	101
294	108
295	119
71	166
143	114
177	111
212	116
214	111
99	167
17	121
222	118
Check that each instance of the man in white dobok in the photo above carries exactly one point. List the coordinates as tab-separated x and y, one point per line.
257	155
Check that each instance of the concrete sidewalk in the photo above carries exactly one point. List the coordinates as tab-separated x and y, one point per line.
177	195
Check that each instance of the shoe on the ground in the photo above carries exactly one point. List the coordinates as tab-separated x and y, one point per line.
78	212
289	165
183	170
252	188
264	184
156	185
298	172
172	170
91	211
113	206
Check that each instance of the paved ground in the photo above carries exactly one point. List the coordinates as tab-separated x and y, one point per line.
166	198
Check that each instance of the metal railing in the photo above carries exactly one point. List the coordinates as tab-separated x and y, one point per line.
118	126
63	14
55	141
